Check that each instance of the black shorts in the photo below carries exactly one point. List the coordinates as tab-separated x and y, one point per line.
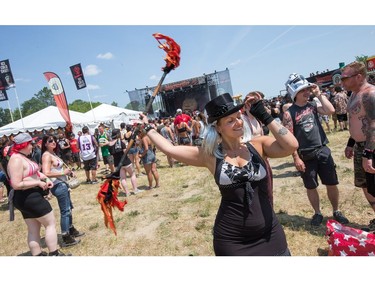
108	160
90	165
322	165
67	156
76	157
342	117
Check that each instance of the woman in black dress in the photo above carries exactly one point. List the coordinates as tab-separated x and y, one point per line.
246	224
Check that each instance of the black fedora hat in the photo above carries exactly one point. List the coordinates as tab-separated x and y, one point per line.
220	107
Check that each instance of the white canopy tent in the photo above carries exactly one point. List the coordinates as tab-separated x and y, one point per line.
112	115
45	119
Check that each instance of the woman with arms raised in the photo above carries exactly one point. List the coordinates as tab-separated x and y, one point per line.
246	224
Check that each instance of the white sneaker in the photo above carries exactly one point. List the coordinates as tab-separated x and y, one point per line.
138	191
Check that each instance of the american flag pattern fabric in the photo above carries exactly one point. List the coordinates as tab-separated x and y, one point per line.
348	241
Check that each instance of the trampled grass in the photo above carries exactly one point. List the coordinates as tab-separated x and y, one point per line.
177	218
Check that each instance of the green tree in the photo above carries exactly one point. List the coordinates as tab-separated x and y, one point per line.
82	106
5	117
42	99
362	58
114	103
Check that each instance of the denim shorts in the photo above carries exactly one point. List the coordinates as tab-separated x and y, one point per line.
133	150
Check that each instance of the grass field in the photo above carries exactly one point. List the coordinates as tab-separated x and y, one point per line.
177	218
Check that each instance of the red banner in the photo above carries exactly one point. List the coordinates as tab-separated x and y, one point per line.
57	89
370	62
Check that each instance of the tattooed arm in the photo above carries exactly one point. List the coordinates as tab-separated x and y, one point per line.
282	144
368	101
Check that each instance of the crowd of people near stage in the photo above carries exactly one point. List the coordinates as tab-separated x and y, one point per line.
233	140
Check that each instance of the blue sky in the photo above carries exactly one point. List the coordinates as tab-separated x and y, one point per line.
120	58
119	53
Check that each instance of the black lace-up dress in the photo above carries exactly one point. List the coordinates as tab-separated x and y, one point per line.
246	224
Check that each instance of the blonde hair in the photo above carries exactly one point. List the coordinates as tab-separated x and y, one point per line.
358	67
212	139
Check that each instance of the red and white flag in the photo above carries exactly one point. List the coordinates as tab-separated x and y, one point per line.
57	89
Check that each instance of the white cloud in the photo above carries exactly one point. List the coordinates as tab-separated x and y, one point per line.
92	70
26	80
96	97
93	87
106	56
154	77
235	63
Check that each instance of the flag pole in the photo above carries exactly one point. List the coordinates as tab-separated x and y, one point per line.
88	94
19	107
10	111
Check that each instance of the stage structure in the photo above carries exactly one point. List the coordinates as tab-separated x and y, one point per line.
189	95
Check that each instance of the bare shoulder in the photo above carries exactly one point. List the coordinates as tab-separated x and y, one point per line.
258	142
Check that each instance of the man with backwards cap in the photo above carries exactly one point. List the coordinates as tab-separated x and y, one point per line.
313	157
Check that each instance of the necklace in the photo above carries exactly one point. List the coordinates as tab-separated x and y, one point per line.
234	153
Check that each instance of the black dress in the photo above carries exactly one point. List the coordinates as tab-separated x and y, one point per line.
246	224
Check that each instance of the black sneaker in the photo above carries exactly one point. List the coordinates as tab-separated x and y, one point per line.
69	240
340	217
42	254
58	253
88	181
316	220
371	226
75	233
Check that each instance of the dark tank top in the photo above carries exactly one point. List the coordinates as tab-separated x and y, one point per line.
246	224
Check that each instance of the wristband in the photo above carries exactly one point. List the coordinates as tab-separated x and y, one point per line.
148	127
367	153
62	172
351	142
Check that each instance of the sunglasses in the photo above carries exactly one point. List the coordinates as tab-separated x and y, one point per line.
347	77
51	140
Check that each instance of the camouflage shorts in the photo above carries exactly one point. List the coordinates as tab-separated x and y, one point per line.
359	173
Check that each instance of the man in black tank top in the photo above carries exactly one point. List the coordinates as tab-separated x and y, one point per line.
313	157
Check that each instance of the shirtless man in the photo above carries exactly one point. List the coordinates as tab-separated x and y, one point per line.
361	144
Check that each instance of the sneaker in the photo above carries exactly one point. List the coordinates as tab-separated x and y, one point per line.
75	233
69	240
316	220
42	254
88	181
340	217
137	191
371	226
94	181
58	253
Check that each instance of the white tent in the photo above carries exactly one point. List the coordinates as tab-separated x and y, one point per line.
113	115
45	119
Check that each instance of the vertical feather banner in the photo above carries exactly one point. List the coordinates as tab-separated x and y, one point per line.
57	89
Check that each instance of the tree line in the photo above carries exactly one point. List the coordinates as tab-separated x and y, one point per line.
39	101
